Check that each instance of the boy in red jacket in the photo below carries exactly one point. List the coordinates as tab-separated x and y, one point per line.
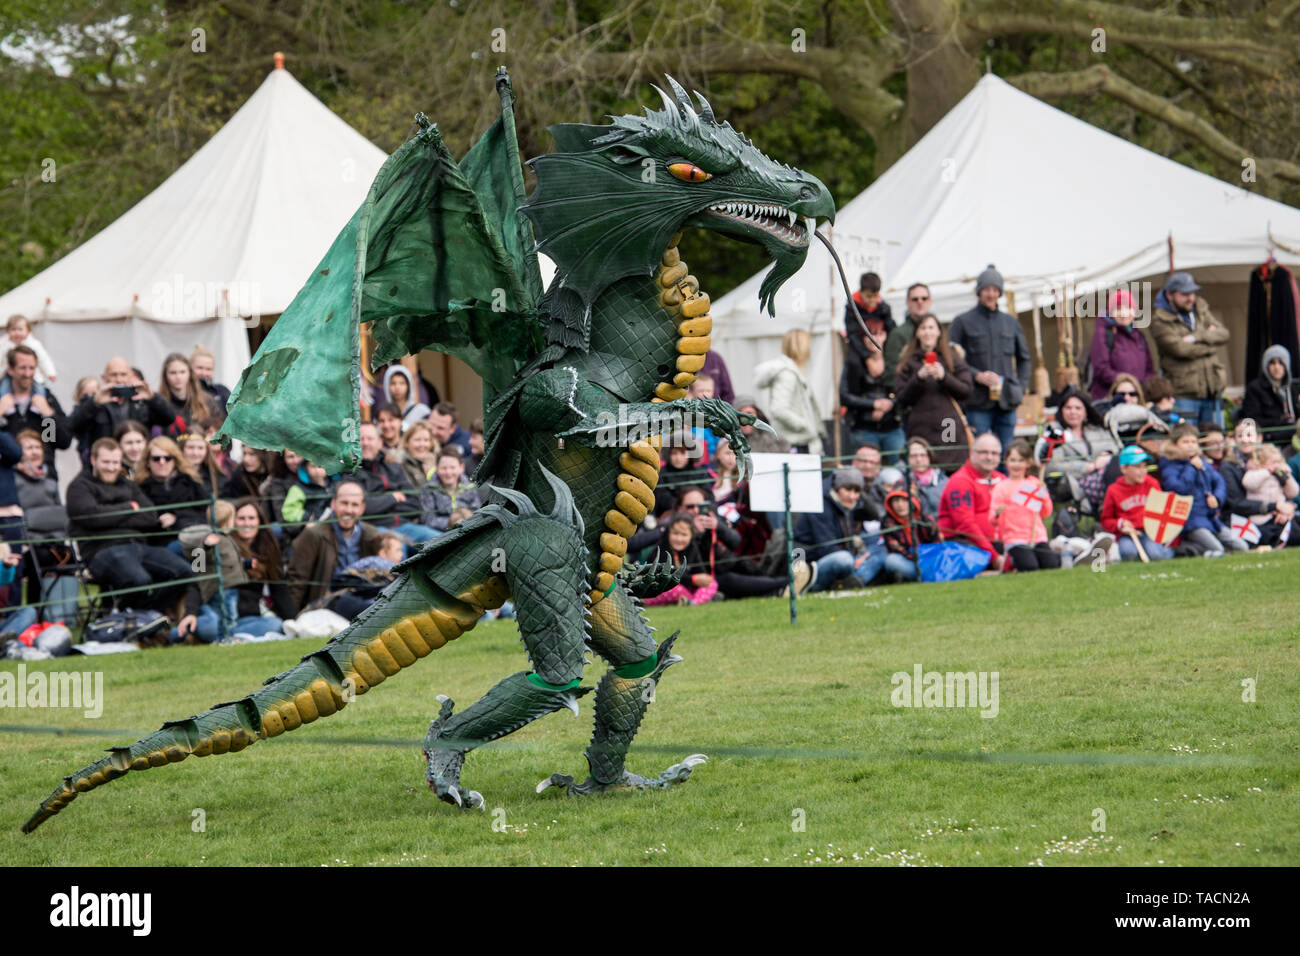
964	505
1125	503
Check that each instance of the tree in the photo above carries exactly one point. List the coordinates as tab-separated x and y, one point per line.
840	88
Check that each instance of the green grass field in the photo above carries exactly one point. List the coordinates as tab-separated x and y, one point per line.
1119	693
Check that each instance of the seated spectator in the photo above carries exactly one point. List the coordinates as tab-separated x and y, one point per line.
195	407
725	472
679	543
1233	466
389	419
249	477
195	449
1294	461
1160	399
791	400
1123	511
871	503
966	503
1019	504
1125	390
1269	483
1184	472
325	548
204	366
37	487
717	541
123	394
759	440
419	453
703	387
833	539
1272	398
400	387
1214	445
250	564
446	430
114	522
906	527
11	513
169	480
133	439
18	331
927	479
306	497
475	446
1075	450
449	491
391	549
391	501
679	470
1118	348
933	381
867	397
27	405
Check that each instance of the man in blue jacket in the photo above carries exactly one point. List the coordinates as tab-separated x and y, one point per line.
833	539
998	354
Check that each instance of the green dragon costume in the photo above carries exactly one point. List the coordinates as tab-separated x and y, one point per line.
442	256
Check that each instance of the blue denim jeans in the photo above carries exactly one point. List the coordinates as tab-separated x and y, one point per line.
17	619
841	564
1197	410
897	564
1154	549
1001	422
890	442
208	628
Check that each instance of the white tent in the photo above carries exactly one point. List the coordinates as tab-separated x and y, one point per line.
233	234
1055	203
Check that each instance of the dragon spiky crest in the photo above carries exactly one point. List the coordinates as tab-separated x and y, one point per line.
606	203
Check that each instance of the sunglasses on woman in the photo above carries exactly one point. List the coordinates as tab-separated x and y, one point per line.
160	458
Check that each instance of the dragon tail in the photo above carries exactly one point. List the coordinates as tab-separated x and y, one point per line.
409	620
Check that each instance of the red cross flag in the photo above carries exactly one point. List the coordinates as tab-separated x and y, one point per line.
1164	515
1245	529
1032	494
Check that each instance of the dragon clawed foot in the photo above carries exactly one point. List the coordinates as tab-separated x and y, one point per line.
444	765
677	773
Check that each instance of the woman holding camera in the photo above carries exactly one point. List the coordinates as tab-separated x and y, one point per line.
933	380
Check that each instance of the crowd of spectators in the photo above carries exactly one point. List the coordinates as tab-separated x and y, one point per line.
930	411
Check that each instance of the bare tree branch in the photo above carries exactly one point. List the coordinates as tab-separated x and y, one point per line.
1250	44
1100	79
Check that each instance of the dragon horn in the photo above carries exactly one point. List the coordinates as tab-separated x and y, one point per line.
706	111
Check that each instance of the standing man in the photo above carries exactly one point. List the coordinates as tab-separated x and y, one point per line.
27	405
998	354
918	304
1188	338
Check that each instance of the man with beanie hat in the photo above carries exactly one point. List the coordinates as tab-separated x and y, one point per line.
998	354
1189	339
833	539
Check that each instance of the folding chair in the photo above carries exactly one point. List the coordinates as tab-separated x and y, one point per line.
52	558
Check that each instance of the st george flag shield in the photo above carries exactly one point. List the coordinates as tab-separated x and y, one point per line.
1164	515
1245	529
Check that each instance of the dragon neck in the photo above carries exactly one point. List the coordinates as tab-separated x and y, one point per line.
649	336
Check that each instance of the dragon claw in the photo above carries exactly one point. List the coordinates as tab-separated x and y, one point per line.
677	773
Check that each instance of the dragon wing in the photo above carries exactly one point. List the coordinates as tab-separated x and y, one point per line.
437	257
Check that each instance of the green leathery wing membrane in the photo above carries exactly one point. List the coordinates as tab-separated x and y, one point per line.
608	200
437	257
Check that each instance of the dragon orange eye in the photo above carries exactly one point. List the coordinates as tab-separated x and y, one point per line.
689	172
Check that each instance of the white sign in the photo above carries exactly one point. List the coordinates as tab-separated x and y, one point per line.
767	488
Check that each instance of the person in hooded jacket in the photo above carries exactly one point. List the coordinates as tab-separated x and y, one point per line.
1272	398
402	391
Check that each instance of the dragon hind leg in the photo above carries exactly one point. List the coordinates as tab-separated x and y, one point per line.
620	634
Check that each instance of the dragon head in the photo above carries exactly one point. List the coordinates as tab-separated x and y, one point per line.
610	199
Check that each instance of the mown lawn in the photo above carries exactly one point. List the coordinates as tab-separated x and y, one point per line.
1119	703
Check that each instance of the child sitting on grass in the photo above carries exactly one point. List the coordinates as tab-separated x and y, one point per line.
1122	511
1268	480
1019	504
1184	472
905	528
697	585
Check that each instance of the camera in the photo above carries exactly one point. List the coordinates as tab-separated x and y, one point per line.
707	507
124	392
